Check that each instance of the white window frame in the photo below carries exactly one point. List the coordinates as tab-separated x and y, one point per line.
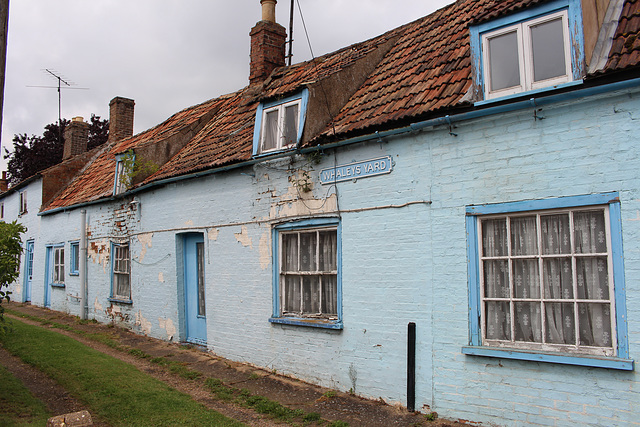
58	265
614	357
280	108
120	268
23	202
525	56
119	186
320	319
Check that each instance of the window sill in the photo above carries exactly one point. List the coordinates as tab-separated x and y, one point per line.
566	359
121	301
528	93
74	273
312	323
274	151
57	285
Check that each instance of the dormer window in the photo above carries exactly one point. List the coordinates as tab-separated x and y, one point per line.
124	168
529	51
279	124
526	56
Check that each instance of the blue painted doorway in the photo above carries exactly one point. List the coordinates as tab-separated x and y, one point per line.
28	271
194	293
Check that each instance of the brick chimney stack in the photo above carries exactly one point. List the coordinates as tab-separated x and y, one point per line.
4	182
120	118
76	136
267	44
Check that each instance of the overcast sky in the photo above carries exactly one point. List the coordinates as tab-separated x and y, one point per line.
165	54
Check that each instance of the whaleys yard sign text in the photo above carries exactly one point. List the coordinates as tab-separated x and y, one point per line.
356	170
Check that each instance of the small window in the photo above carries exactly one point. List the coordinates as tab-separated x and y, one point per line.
58	265
280	126
75	259
526	56
547	279
308	280
121	272
1	210
23	202
120	184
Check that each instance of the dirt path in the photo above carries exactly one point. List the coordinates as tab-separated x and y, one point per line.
289	392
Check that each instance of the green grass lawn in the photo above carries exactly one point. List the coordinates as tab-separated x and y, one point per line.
18	407
114	390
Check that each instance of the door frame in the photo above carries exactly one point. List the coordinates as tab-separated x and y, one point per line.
28	268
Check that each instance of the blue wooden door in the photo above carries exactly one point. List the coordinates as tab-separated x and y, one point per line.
195	312
48	280
28	271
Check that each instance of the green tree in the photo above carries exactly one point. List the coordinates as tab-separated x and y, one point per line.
31	154
10	251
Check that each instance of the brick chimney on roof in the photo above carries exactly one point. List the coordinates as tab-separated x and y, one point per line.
76	136
120	118
267	44
4	182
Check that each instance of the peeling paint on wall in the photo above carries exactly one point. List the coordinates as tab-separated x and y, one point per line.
97	306
167	325
212	234
145	325
161	277
145	240
243	237
188	223
265	250
99	253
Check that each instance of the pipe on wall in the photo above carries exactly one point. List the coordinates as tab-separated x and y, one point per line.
83	265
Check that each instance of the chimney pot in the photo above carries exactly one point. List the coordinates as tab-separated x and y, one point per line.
269	10
77	119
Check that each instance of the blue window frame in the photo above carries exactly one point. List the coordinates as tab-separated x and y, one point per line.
120	272
307	283
546	281
74	261
279	124
538	49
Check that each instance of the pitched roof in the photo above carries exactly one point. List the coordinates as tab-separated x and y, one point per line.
424	70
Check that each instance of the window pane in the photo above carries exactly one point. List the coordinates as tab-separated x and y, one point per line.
330	295
270	130
561	327
76	256
526	278
121	285
308	251
547	41
504	61
201	300
558	279
589	232
328	250
556	237
595	324
494	237
310	295
593	278
291	300
496	279
498	326
528	325
290	252
524	236
291	124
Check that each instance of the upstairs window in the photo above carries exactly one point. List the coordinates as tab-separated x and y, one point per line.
527	56
124	171
535	49
23	202
1	210
279	124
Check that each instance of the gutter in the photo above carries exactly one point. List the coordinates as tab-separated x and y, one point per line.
412	128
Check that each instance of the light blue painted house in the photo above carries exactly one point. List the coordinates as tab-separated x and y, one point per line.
469	180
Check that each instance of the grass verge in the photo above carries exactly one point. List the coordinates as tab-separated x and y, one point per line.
114	390
18	407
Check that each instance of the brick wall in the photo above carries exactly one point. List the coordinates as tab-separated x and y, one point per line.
267	50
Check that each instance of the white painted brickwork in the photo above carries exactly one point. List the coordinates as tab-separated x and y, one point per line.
400	265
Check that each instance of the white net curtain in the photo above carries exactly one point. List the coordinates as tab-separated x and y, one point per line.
550	273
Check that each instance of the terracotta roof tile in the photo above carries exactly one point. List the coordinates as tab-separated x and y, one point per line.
625	49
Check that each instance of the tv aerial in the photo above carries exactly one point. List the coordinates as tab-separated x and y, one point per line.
67	85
